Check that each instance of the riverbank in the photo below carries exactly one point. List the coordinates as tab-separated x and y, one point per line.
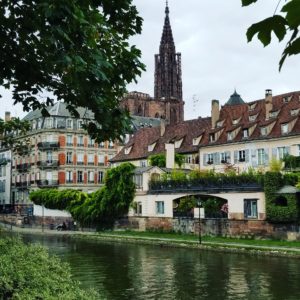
249	246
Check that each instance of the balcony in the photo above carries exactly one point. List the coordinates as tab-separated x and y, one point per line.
3	161
23	150
47	183
24	185
48	164
48	146
23	167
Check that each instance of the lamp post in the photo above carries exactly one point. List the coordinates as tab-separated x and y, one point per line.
199	206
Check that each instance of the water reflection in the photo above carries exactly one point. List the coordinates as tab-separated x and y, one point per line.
121	271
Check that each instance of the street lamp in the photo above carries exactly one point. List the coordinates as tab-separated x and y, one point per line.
199	203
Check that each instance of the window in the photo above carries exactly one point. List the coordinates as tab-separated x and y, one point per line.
69	140
49	156
69	176
138	180
100	177
49	122
69	124
229	136
91	176
91	142
261	156
79	177
143	163
111	145
242	155
101	145
282	152
91	159
252	118
139	208
101	159
250	208
79	124
264	131
80	158
212	137
284	128
210	158
69	157
224	157
160	207
80	141
245	133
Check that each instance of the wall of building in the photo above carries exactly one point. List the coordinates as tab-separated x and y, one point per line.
5	176
271	148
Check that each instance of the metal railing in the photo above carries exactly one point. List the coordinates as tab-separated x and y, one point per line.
47	183
48	145
23	167
48	164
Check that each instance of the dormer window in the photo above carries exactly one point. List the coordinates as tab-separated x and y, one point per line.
33	125
252	106
197	140
252	118
69	123
236	121
229	136
284	128
212	137
264	131
274	114
178	143
127	150
294	112
79	124
220	123
287	99
245	133
151	147
49	122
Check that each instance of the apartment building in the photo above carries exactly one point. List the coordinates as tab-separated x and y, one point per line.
59	153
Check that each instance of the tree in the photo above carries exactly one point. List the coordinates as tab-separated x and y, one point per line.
281	25
28	272
75	51
159	160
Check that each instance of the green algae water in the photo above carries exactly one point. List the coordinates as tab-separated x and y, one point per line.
126	271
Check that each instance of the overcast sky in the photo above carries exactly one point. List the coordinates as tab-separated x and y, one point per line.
216	58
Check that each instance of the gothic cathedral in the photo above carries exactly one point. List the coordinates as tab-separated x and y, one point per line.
167	102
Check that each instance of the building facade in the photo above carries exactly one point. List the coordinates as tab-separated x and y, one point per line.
167	102
59	154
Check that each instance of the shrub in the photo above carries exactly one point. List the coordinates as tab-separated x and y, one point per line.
28	272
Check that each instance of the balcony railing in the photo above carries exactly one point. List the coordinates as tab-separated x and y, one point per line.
23	167
47	183
22	185
48	164
48	146
217	186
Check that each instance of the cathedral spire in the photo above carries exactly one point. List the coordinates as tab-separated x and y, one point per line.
168	83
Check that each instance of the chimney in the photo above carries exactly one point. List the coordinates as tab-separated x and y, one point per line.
7	116
170	155
162	127
215	112
268	103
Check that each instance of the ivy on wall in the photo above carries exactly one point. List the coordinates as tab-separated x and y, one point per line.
280	211
100	208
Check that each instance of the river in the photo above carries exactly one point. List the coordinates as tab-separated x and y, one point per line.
127	271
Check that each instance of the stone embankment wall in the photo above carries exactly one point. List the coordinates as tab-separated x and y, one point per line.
216	227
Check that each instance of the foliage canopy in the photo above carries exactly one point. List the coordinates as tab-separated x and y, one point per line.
159	160
288	22
28	272
75	51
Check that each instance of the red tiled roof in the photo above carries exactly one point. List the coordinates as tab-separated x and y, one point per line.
188	130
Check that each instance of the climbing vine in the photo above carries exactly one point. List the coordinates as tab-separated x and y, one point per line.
100	208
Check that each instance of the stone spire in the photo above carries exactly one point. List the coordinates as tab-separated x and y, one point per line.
167	81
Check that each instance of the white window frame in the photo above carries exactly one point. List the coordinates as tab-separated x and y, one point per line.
71	124
261	159
160	207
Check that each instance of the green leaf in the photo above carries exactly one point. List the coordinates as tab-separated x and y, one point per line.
248	2
264	29
292	10
293	48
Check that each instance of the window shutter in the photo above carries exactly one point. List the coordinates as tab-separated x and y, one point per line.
253	158
247	155
236	156
288	150
266	150
274	152
227	154
217	158
205	159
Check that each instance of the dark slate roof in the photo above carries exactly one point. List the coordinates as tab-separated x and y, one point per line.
59	109
235	99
